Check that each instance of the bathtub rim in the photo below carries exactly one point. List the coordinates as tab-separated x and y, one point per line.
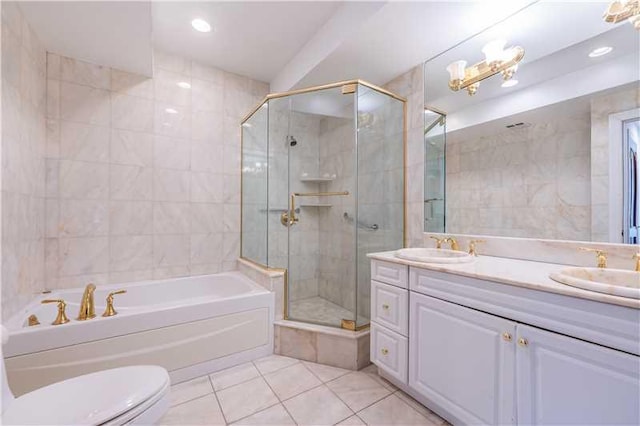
26	340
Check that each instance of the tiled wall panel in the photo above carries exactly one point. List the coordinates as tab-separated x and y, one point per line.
143	176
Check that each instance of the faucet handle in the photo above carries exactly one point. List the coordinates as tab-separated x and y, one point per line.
439	241
61	318
110	310
453	242
601	255
637	259
472	246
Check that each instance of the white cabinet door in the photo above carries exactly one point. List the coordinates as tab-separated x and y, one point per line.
389	352
462	360
563	380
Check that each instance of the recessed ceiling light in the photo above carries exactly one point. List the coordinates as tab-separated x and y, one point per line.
510	83
171	111
600	51
429	112
201	25
184	85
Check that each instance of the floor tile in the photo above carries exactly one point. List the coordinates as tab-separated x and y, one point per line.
352	421
318	406
272	363
325	372
201	411
393	411
276	415
292	380
234	375
358	390
420	408
245	399
372	371
192	389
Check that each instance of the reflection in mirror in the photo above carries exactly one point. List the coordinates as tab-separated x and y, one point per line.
434	177
544	149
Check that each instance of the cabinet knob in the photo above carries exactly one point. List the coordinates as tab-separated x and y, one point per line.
506	336
523	342
385	307
384	351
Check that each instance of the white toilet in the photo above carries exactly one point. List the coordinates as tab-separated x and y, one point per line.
127	395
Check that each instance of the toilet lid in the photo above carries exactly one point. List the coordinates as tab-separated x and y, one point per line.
90	399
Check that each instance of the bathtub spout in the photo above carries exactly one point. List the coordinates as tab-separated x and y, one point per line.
87	307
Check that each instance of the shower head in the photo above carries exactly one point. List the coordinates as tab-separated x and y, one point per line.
292	141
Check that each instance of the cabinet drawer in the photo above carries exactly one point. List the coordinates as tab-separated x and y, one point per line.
389	351
390	307
390	273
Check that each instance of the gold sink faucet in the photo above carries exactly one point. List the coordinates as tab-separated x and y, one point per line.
439	241
87	307
453	242
473	250
601	256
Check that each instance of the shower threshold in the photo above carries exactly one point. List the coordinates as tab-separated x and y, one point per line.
319	310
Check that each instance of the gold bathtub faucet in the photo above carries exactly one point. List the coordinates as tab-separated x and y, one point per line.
87	306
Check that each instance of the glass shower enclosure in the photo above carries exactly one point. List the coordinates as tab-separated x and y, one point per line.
323	185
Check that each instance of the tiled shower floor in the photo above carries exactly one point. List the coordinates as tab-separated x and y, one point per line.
320	310
278	390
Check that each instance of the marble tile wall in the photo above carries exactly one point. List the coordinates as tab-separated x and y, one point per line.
337	276
601	108
143	176
23	167
529	182
410	85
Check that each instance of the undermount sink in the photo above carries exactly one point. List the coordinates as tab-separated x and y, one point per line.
432	255
617	282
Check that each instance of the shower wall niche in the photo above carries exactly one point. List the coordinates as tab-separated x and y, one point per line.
322	186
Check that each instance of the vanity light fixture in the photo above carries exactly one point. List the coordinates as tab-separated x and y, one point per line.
184	85
201	25
600	51
497	60
620	10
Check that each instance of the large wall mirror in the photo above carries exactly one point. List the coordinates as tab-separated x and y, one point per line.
546	146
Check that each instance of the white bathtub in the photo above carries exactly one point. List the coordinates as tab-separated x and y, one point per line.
192	326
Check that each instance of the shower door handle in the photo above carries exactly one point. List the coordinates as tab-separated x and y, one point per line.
289	217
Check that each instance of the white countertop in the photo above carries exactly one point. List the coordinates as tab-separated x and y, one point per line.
521	273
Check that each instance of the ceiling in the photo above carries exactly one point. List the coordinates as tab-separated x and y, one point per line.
116	34
254	39
291	44
299	44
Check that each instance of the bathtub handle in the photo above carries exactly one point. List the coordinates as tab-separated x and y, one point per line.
61	318
110	310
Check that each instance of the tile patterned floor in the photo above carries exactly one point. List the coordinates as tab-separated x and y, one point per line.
278	390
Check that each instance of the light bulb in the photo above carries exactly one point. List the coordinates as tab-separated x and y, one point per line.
456	70
494	52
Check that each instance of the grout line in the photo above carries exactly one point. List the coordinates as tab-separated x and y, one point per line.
217	400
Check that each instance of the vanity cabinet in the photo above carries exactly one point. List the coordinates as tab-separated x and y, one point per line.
462	360
480	352
561	380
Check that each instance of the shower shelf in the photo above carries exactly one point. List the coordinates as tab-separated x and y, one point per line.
316	205
316	179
